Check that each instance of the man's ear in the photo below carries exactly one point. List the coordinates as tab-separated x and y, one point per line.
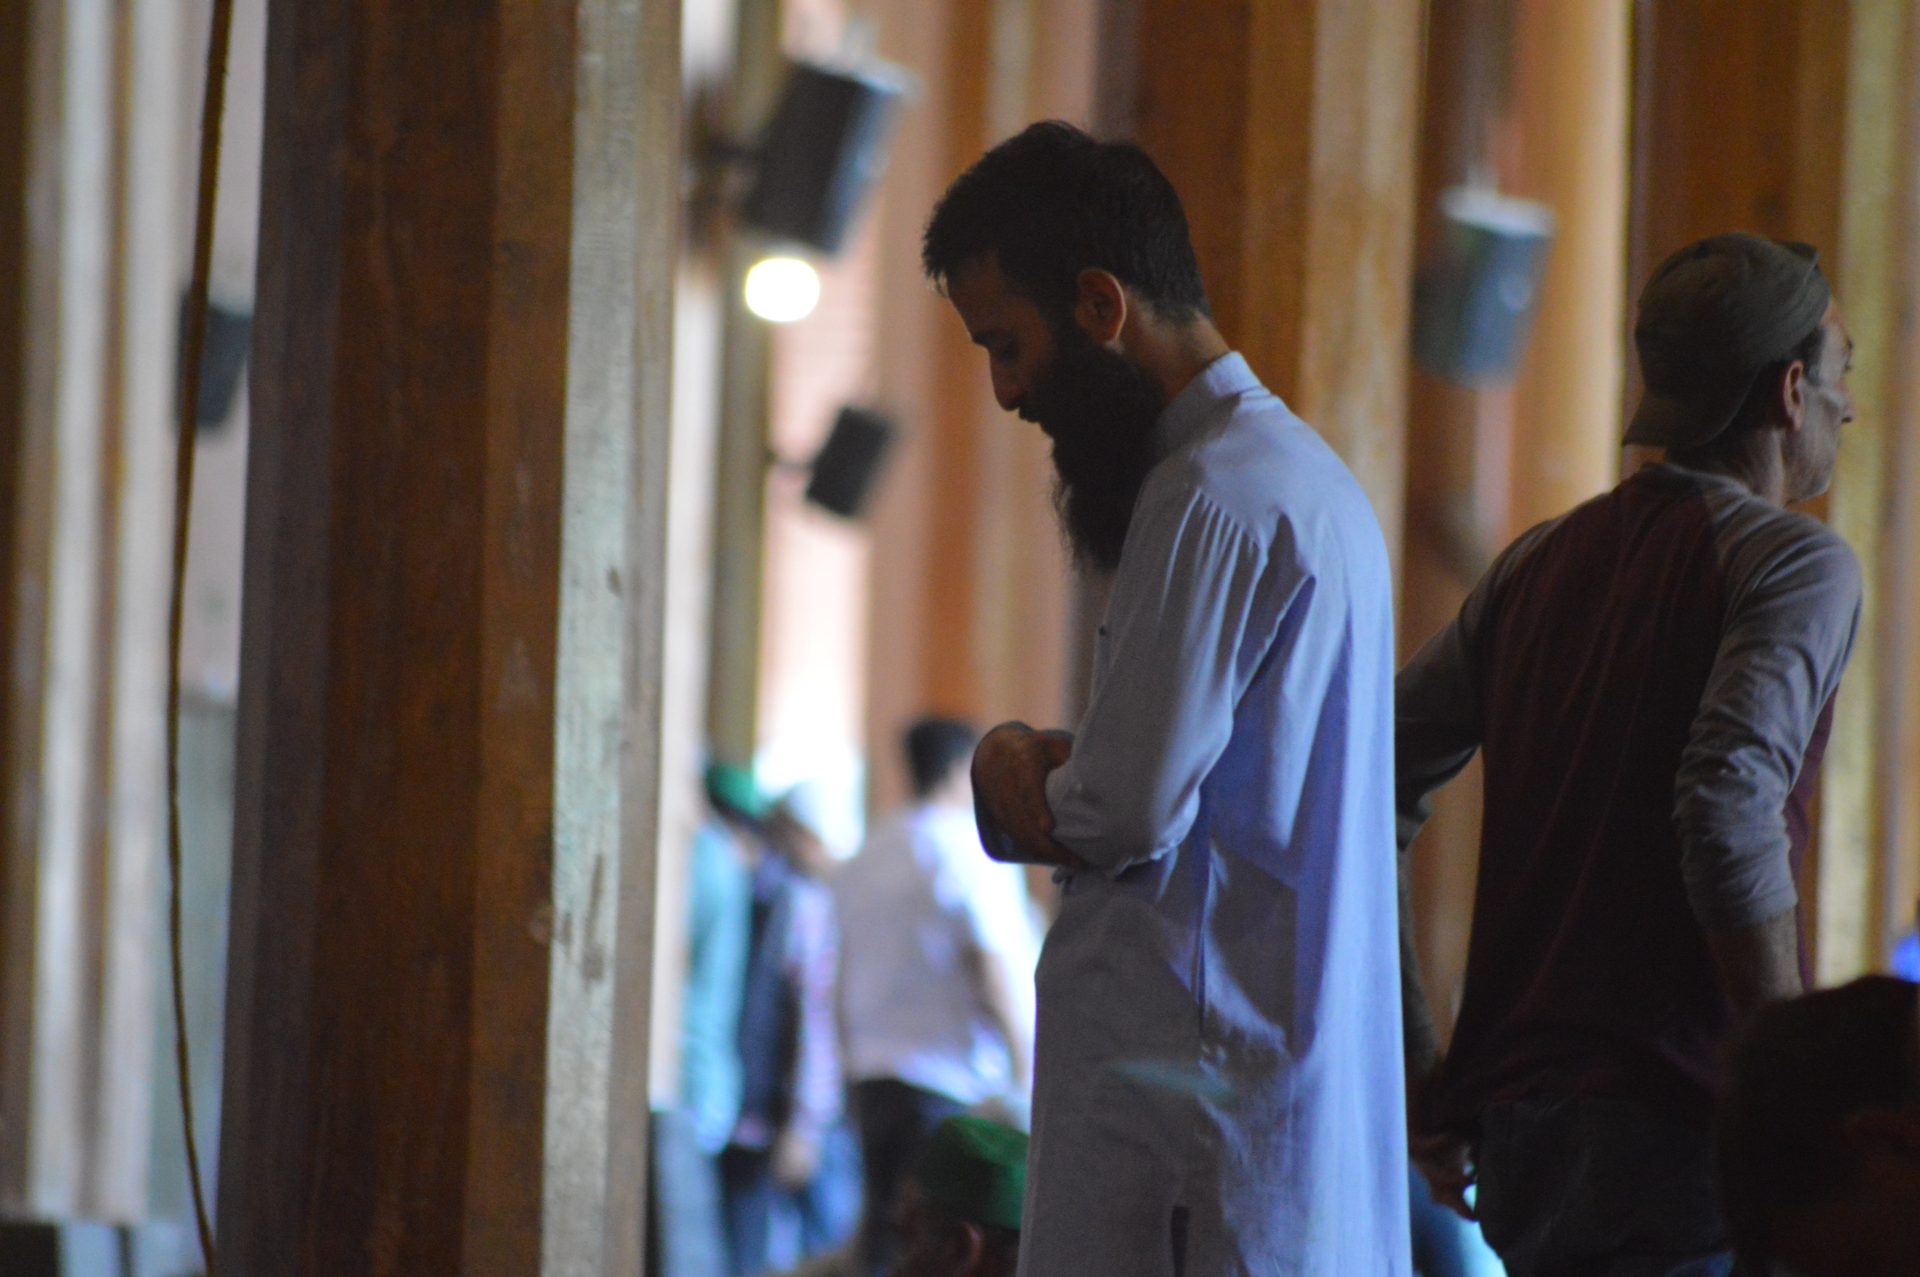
971	1248
1793	395
1100	305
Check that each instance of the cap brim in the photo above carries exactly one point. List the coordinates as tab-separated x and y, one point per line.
1662	421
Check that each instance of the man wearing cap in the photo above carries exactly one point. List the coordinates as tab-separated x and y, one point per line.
959	1209
1649	679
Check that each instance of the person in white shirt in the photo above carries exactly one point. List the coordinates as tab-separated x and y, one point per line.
936	988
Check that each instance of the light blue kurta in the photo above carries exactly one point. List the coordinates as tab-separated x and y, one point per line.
1219	1000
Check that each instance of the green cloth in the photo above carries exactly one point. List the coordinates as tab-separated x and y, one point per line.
975	1171
733	790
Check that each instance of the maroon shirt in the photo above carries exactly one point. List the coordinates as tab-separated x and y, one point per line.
1650	678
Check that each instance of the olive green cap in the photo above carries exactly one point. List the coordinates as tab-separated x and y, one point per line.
1715	316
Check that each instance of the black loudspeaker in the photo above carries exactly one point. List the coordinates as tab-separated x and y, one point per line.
1473	306
849	461
223	358
821	155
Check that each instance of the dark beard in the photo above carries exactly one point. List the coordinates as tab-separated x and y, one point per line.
1099	408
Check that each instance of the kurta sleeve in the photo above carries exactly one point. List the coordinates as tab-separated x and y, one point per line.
1182	646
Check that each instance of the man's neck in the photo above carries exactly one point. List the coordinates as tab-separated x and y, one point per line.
1177	353
1763	472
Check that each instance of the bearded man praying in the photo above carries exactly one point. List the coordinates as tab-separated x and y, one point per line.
1218	1075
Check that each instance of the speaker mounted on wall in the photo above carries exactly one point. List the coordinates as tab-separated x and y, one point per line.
848	463
223	358
1473	305
821	153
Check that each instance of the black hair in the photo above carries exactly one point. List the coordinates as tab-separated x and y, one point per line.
1757	408
1800	1071
1051	202
934	747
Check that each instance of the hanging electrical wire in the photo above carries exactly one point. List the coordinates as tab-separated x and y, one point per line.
196	336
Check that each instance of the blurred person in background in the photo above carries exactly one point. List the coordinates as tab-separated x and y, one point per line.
960	1213
959	1207
687	1237
780	1210
936	988
1906	951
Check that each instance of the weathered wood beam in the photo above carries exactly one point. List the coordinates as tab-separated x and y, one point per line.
1297	167
447	798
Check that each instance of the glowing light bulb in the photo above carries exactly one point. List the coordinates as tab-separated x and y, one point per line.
782	289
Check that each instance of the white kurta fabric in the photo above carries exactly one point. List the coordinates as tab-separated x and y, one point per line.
918	907
1219	1005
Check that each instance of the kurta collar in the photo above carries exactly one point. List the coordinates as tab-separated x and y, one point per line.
1191	409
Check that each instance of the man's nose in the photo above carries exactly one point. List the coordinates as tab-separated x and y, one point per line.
1008	389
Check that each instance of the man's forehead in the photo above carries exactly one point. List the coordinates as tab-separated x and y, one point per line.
985	298
1832	319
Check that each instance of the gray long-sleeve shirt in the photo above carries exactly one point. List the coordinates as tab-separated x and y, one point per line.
1648	677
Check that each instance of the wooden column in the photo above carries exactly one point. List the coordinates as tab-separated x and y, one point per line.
1866	830
742	444
1289	130
138	473
1899	768
970	582
1809	136
1571	69
1449	531
446	806
91	182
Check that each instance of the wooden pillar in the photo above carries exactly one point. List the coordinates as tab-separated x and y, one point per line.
1289	130
138	474
1449	531
1810	136
1867	855
1899	769
742	456
89	184
16	883
446	802
1571	69
1532	96
970	584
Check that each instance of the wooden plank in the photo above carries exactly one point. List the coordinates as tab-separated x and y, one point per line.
134	743
970	581
740	491
1446	529
1862	755
447	798
1297	170
1570	112
1900	617
24	274
52	999
926	526
615	555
